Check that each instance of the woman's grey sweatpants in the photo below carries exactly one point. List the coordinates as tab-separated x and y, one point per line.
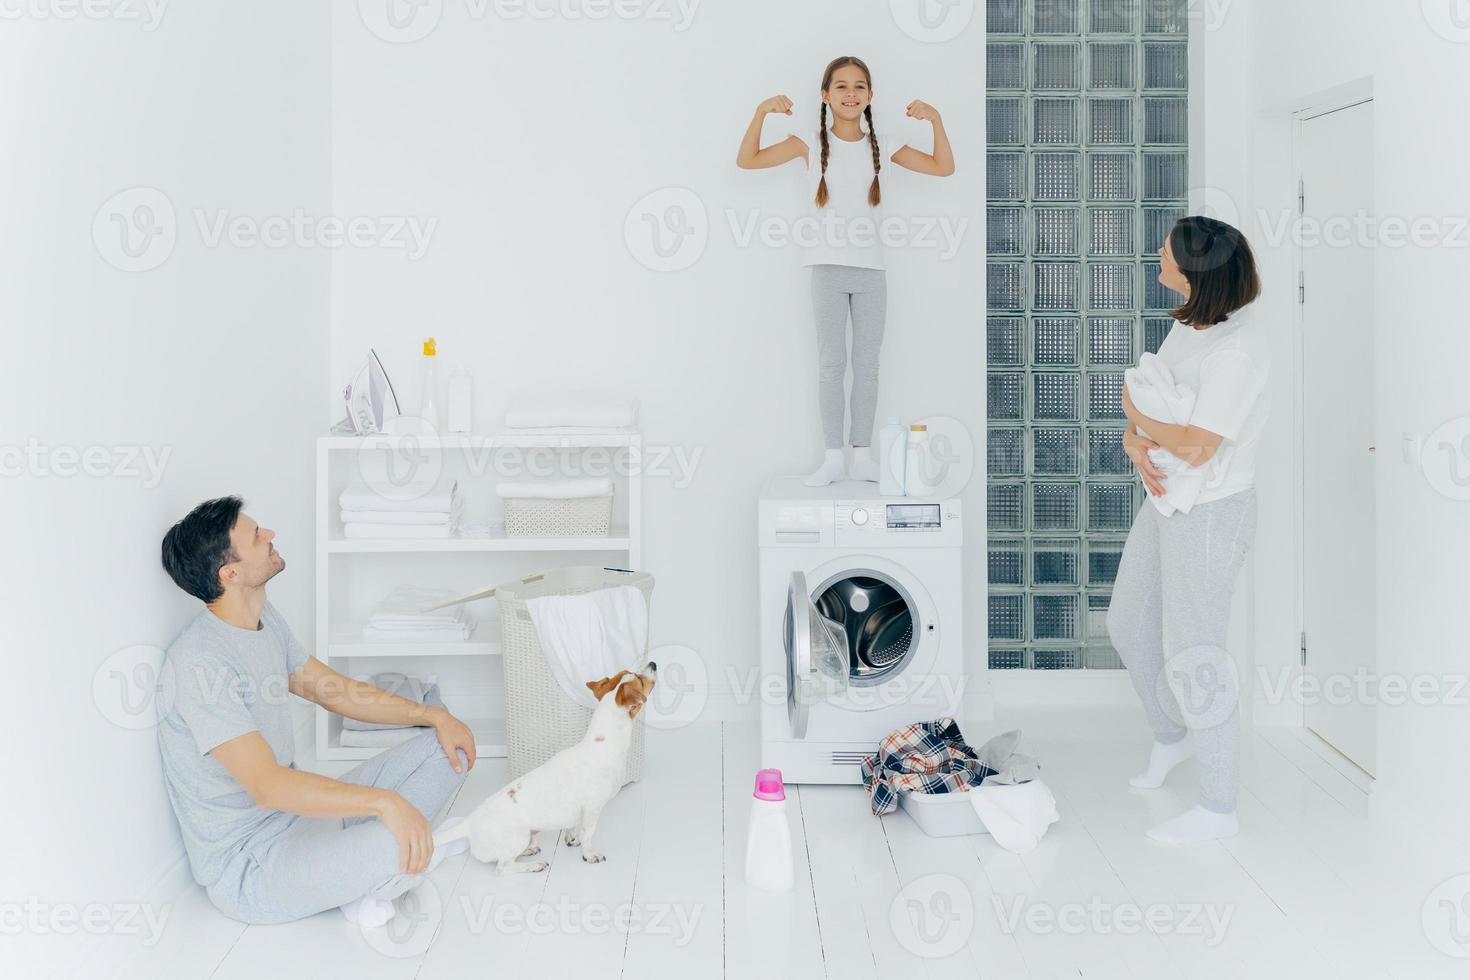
838	290
1168	619
298	866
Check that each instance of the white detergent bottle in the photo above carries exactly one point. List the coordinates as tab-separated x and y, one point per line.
917	479
892	439
429	390
461	398
768	844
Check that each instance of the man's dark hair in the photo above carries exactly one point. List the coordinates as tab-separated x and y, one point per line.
1217	261
197	547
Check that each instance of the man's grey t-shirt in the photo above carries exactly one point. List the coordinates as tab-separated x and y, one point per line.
220	682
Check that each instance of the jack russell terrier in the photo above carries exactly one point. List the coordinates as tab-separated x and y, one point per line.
566	792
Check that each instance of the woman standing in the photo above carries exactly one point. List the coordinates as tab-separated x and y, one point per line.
1171	601
845	252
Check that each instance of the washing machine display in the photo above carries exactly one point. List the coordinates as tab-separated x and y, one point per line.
913	515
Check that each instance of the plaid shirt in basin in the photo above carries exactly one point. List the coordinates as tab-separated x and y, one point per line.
930	757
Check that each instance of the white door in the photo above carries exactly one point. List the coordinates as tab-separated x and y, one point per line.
1338	451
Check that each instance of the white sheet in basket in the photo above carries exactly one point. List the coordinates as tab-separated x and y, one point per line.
590	636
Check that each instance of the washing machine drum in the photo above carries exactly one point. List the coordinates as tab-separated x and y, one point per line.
879	623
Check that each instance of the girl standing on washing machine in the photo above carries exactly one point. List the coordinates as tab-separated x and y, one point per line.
1171	598
844	248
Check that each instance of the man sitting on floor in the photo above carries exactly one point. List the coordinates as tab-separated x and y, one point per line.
269	842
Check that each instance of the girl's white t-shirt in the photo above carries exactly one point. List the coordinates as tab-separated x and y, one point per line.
1228	367
848	231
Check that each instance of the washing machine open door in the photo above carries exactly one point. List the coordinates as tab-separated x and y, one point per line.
816	655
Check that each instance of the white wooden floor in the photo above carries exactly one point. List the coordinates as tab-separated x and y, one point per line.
1314	886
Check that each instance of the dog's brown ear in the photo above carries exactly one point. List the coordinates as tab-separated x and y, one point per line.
632	697
599	688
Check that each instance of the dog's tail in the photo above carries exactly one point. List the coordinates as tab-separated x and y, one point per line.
459	831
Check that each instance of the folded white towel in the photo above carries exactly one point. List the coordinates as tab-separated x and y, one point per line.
413	497
398	530
437	634
397	516
570	430
1153	390
1016	815
538	409
590	636
591	486
413	605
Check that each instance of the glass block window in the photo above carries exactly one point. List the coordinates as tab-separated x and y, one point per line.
1088	169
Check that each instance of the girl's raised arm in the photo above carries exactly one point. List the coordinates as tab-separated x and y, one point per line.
940	163
751	156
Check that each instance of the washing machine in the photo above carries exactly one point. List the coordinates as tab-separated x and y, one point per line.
861	630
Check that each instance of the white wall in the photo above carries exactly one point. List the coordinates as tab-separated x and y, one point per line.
217	357
530	141
1309	52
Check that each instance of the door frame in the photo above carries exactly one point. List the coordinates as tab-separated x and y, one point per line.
1346	97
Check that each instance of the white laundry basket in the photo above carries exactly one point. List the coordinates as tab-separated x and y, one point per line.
540	718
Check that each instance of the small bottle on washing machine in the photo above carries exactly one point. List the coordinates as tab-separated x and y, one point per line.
768	843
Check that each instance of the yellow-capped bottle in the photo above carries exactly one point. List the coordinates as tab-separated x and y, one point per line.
429	388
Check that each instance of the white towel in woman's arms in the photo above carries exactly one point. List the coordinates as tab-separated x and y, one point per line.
1153	390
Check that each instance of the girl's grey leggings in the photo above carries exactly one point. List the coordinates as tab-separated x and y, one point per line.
1168	619
838	290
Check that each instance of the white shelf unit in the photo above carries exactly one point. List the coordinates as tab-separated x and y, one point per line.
352	574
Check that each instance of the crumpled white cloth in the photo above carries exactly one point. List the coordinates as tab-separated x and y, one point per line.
590	636
1010	766
1016	815
1015	806
1153	390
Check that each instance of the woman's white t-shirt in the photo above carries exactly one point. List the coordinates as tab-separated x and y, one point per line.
848	231
1228	367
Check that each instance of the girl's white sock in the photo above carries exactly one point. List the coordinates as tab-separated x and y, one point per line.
1161	761
1196	825
863	465
829	472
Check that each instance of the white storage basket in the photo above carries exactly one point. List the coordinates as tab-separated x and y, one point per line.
540	719
558	517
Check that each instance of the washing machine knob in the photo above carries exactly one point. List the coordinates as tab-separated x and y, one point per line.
859	516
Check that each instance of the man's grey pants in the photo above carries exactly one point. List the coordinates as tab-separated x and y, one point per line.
298	866
1168	619
837	291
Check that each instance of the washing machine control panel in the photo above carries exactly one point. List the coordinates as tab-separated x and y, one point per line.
906	523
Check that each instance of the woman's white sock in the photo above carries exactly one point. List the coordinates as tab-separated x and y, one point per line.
1161	761
1196	825
829	472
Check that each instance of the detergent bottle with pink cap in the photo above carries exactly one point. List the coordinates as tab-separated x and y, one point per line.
768	844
